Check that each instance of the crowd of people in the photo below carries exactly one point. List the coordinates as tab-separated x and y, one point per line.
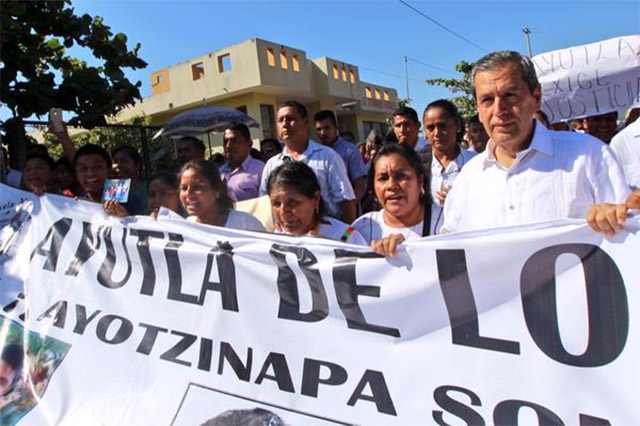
505	166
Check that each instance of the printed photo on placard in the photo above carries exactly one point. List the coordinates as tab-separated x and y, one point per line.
210	407
116	189
25	374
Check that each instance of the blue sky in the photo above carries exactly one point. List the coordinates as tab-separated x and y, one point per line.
374	35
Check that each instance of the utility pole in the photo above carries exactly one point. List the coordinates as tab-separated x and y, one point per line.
526	32
406	76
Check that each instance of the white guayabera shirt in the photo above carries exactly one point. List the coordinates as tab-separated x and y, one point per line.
559	176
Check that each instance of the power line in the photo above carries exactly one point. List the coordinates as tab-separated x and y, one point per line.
389	74
442	26
431	66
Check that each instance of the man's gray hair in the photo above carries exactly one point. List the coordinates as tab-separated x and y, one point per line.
503	58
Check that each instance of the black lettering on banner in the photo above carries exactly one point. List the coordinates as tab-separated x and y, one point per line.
461	305
9	307
462	411
105	274
587	420
175	272
287	284
149	339
348	290
85	249
123	333
606	303
281	374
59	230
205	356
242	370
379	392
223	255
506	413
81	319
57	311
148	269
311	376
178	349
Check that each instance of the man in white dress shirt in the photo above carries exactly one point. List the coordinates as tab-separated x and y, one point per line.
527	174
293	130
626	146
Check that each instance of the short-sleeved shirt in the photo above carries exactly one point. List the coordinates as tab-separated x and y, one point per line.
559	176
243	183
373	227
352	159
239	220
329	169
441	177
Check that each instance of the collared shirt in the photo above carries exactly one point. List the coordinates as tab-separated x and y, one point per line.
330	171
559	176
243	183
441	178
352	159
420	143
626	146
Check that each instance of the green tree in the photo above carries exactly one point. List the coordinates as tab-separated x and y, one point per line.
463	86
38	74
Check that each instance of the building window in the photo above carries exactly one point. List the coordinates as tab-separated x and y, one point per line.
378	94
242	109
271	58
352	76
224	63
344	73
367	92
385	95
294	61
336	72
284	63
197	71
268	119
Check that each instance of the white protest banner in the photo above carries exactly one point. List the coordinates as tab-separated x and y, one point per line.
591	79
136	322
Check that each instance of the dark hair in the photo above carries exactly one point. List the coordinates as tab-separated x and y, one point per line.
474	119
295	105
13	355
324	115
300	178
45	157
92	149
406	111
64	162
272	141
212	175
197	143
131	152
347	135
239	128
503	58
451	110
169	179
414	161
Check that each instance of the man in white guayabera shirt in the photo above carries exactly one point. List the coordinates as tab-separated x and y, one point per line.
528	174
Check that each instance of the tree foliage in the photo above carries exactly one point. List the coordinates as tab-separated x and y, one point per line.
463	87
38	73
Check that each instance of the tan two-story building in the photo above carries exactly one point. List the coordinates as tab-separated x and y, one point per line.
255	76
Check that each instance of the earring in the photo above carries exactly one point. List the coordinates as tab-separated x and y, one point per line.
422	192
